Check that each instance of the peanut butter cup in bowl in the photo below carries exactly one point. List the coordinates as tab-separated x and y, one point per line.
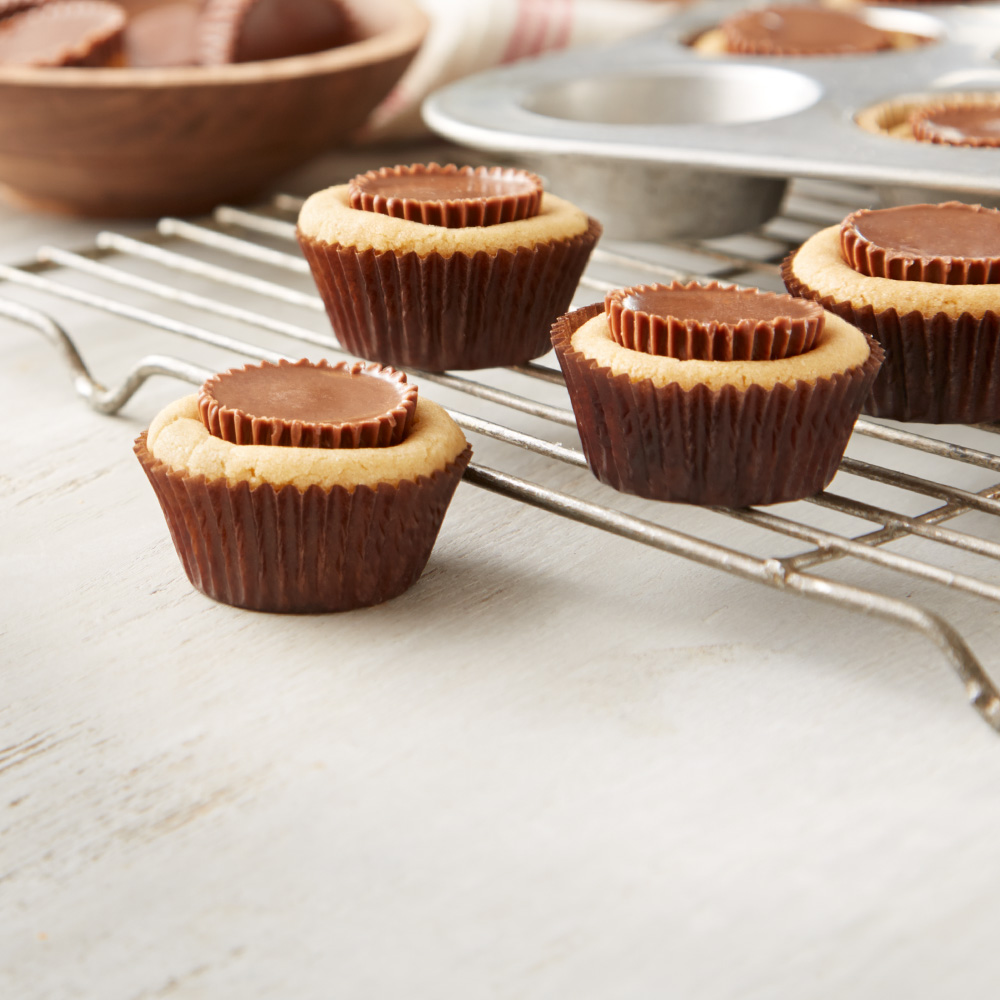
302	487
924	281
438	267
709	394
141	140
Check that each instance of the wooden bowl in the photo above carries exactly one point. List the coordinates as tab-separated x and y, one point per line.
136	142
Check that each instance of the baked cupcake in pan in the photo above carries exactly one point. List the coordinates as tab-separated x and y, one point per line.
967	118
304	487
709	394
924	281
445	267
800	30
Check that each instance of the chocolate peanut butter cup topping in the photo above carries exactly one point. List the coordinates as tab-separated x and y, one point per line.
947	244
450	196
8	7
712	322
801	30
164	35
234	31
973	123
305	405
63	33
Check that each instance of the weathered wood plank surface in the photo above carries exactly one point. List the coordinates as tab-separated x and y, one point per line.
561	766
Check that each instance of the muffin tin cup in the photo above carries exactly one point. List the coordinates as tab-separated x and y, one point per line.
938	369
728	448
692	126
285	550
458	312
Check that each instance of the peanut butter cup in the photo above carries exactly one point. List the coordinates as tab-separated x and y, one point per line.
445	267
923	281
715	430
948	244
64	33
164	35
711	322
303	487
304	405
450	196
973	124
232	31
8	7
801	31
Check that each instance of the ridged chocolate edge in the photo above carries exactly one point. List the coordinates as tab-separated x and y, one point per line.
460	312
460	213
739	45
101	51
924	131
288	551
937	370
685	340
238	427
875	261
10	7
729	447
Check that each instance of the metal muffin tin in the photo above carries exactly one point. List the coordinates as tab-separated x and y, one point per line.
660	141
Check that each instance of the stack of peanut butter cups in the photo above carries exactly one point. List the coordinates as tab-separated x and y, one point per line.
303	545
708	394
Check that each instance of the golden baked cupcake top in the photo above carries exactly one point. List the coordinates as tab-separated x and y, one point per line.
715	315
914	258
444	210
978	115
305	424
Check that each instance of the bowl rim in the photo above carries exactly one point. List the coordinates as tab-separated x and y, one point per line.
408	26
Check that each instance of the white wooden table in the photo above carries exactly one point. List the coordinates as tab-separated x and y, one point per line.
562	766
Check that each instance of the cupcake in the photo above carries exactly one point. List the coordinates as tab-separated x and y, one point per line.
303	487
956	119
445	267
800	30
924	281
709	394
958	123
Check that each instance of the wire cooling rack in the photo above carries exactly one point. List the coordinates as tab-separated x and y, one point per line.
241	270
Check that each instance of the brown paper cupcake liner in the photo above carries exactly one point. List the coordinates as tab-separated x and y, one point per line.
729	448
687	339
285	550
451	213
937	370
238	427
458	312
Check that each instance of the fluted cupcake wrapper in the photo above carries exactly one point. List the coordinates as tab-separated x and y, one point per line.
288	550
727	447
459	312
937	370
